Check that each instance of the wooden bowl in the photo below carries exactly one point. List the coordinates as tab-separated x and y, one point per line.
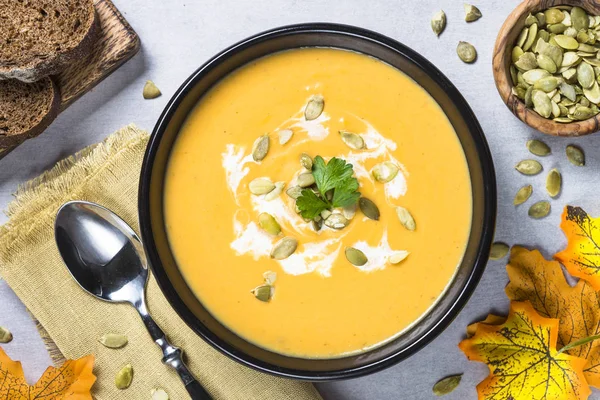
502	60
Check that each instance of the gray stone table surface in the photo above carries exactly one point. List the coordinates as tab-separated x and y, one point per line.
179	35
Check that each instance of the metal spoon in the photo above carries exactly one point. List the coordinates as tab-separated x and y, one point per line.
106	258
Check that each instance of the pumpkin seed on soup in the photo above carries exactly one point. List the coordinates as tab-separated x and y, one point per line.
355	256
368	208
336	221
406	218
352	140
466	52
306	161
285	135
284	248
269	224
263	292
305	179
260	186
397	257
385	171
314	107
260	148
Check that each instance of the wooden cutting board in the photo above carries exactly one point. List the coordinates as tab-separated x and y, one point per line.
116	43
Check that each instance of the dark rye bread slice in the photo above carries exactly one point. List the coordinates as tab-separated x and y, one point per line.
39	38
26	109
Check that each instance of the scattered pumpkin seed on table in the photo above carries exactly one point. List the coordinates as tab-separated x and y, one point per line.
466	52
539	209
438	22
538	148
529	167
124	377
558	49
523	195
5	335
472	13
113	340
159	394
446	385
575	155
150	91
498	250
553	182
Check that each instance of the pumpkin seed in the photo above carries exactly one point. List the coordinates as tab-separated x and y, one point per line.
529	167
553	182
113	340
159	394
541	17
406	218
593	93
568	91
349	211
325	214
285	135
585	75
592	61
554	52
554	16
517	52
284	248
563	120
438	22
314	107
124	377
446	385
579	18
528	95
5	335
352	140
531	35
546	63
466	52
385	171
150	91
472	13
567	21
269	224
260	186
532	76
294	192
273	194
546	84
566	42
499	250
557	28
538	148
263	292
336	221
571	32
355	256
587	48
555	108
523	195
316	225
522	37
541	103
530	20
397	257
570	75
582	113
305	179
306	161
575	155
539	210
527	62
513	75
269	277
260	148
368	208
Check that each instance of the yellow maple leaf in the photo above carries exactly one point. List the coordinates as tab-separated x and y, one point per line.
581	257
523	361
491	319
543	284
72	381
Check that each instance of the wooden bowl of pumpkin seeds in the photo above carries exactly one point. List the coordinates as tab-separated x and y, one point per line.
547	65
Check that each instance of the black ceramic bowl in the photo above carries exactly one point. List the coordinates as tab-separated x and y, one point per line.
161	259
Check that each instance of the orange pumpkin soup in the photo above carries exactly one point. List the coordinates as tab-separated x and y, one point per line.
350	284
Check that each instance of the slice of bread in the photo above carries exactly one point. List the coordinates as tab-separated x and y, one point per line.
39	38
26	109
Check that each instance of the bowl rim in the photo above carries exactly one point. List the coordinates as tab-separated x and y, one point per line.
482	251
503	81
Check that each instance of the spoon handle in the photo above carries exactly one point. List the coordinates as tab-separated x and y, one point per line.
172	355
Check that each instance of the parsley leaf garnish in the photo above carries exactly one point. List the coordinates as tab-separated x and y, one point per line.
336	175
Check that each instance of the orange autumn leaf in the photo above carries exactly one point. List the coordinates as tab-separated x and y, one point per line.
523	361
543	284
581	257
72	381
491	319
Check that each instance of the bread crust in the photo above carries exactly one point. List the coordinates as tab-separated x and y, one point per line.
37	69
14	140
